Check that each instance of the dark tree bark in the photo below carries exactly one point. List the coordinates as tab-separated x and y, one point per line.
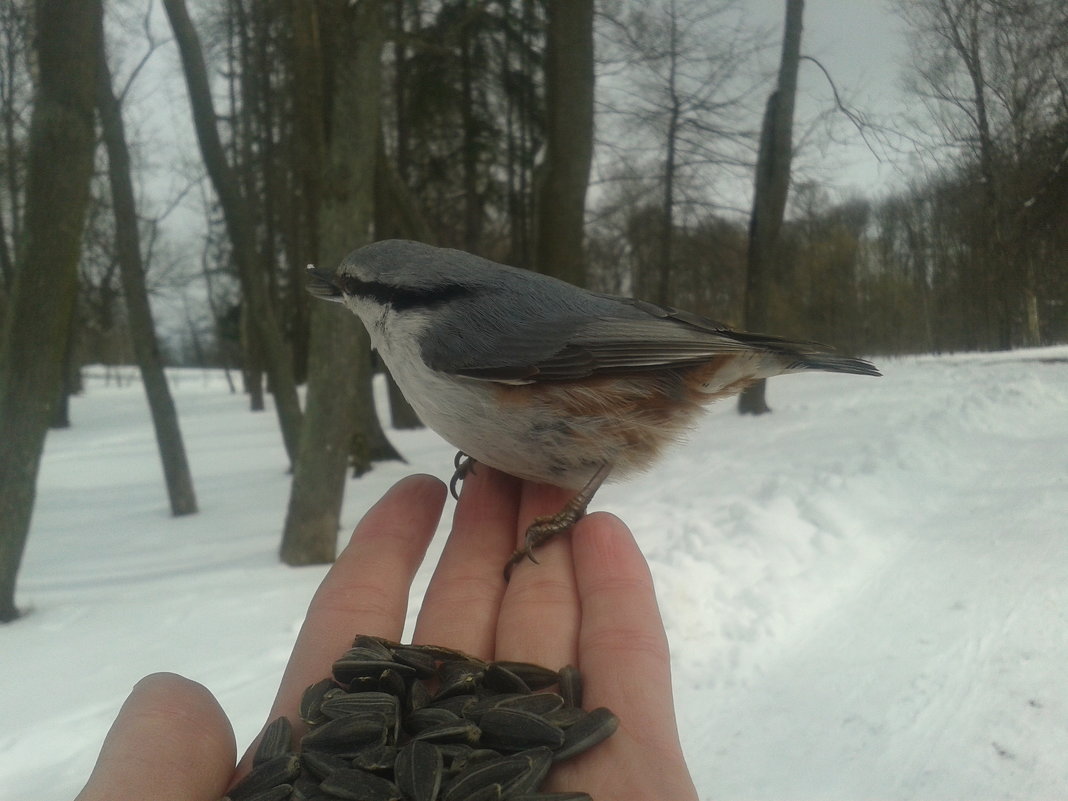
771	187
397	217
176	473
57	192
339	369
569	140
473	207
70	380
239	225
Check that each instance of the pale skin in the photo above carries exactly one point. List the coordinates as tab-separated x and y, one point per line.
590	603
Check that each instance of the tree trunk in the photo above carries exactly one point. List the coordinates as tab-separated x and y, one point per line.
569	140
470	148
402	414
70	381
339	352
397	216
667	215
239	225
60	162
142	330
771	187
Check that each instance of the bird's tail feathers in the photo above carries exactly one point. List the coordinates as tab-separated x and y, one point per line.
796	356
835	363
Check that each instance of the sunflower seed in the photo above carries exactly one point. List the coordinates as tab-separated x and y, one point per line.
349	669
350	732
387	704
382	648
276	741
538	761
321	764
565	716
535	676
459	678
518	730
468	758
457	704
461	731
428	716
492	792
377	734
354	703
592	729
423	662
418	696
538	703
497	773
311	700
571	686
266	775
375	758
500	679
359	785
443	654
418	770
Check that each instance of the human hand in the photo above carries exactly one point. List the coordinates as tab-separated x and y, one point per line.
589	603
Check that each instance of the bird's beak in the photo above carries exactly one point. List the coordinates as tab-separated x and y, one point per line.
322	284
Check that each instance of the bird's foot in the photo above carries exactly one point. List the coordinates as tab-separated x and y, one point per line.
464	465
546	527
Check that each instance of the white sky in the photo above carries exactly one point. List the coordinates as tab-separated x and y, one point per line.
860	42
864	47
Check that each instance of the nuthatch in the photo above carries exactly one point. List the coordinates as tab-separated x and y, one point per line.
544	380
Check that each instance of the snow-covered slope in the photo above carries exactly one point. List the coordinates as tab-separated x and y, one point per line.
866	592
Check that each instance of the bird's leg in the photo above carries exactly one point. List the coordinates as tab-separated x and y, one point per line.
546	527
463	465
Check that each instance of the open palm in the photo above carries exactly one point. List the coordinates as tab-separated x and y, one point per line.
589	603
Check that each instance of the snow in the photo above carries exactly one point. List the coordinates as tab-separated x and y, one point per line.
866	592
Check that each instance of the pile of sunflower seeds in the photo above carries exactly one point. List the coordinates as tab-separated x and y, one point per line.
425	723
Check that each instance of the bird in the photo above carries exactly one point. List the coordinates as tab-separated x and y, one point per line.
544	380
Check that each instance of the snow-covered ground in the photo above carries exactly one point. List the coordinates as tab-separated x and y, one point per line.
866	592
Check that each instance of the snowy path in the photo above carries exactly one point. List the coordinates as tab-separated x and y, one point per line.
942	675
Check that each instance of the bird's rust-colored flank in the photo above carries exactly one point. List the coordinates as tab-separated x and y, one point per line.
633	416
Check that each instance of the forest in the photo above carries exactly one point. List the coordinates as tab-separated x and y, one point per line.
617	144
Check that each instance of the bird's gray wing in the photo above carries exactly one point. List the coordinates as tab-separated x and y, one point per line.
619	336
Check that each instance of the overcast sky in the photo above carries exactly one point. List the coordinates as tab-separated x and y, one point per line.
863	45
860	42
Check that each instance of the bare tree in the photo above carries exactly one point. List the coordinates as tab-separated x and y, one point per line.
61	145
561	204
677	75
990	74
15	94
772	183
344	45
176	473
239	224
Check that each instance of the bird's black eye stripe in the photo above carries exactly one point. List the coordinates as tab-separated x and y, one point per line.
402	298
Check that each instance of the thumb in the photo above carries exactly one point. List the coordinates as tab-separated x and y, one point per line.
170	741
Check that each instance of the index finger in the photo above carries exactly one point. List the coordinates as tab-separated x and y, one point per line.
366	590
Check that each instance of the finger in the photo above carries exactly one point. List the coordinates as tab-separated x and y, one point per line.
366	590
539	618
462	601
168	724
623	650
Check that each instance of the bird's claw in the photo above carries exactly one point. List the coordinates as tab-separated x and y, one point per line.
463	465
545	528
540	531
